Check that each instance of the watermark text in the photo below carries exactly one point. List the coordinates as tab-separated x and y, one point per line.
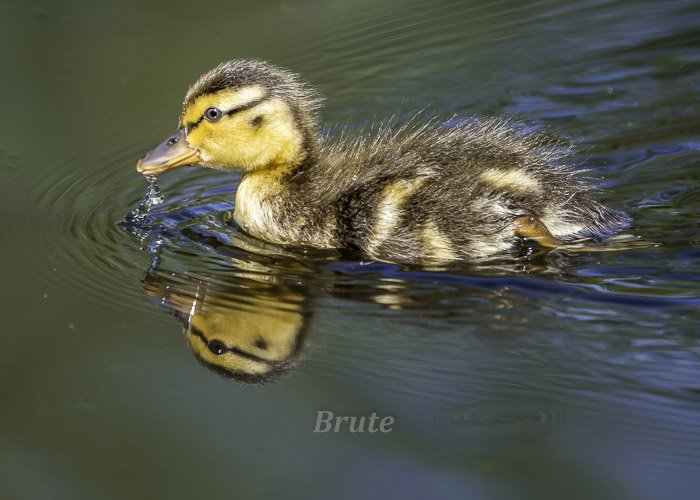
327	421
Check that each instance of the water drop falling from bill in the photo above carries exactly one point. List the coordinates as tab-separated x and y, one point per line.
137	218
139	221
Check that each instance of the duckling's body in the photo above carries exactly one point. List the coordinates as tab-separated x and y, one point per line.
418	193
427	193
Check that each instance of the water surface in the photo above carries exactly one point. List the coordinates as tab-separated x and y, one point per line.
554	376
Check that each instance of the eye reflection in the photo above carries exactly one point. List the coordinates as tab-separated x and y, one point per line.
216	347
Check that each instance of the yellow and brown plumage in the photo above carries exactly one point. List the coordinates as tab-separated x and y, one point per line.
413	193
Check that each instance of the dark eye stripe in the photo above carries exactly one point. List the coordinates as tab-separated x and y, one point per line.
246	106
191	126
243	107
235	350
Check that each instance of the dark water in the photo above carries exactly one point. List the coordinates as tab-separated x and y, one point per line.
559	376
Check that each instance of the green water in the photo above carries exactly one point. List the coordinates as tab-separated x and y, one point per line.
563	376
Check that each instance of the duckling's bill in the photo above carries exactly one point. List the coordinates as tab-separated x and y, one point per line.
175	151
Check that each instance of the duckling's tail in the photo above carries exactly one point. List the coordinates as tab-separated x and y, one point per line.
583	217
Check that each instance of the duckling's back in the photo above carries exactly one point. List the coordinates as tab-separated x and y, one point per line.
460	192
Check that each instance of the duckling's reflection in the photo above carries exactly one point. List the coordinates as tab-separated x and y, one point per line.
249	320
250	334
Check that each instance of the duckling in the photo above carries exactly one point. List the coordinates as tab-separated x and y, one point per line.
410	194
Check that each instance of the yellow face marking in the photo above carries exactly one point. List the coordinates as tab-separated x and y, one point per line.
436	244
516	179
389	210
263	137
225	100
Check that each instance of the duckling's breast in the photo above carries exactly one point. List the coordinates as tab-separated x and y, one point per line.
270	208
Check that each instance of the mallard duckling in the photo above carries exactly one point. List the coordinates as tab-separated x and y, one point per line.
419	193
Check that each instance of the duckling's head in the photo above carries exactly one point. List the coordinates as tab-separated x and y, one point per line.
244	335
244	114
249	344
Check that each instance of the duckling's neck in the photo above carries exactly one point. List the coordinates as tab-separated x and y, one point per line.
267	206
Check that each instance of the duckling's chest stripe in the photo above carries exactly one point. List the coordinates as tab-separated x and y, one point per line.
389	210
514	180
254	212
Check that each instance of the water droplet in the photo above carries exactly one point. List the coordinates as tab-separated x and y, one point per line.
153	196
136	218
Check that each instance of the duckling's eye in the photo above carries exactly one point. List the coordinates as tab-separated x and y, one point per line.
213	114
217	347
